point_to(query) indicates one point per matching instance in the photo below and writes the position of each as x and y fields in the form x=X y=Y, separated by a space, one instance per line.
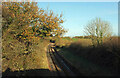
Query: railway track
x=59 y=66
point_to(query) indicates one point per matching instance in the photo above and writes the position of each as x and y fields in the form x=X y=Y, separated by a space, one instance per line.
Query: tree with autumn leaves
x=23 y=23
x=26 y=22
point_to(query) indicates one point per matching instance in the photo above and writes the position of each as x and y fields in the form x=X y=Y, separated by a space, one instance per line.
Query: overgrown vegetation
x=91 y=61
x=26 y=30
x=14 y=59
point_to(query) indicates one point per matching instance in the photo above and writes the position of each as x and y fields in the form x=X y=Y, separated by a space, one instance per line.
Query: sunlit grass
x=14 y=59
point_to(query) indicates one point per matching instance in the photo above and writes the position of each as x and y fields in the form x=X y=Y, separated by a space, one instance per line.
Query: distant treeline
x=85 y=37
x=76 y=37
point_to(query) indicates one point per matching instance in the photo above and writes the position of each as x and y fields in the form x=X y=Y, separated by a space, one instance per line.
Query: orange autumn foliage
x=29 y=21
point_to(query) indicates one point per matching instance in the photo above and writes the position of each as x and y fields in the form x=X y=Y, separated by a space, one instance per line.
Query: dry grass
x=105 y=56
x=113 y=44
x=63 y=42
x=13 y=58
x=81 y=43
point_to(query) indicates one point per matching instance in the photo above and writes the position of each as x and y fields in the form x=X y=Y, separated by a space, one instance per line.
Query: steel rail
x=57 y=60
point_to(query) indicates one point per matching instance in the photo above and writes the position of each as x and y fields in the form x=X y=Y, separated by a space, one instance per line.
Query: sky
x=76 y=15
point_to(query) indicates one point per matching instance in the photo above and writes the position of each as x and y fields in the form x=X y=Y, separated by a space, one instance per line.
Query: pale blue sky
x=78 y=14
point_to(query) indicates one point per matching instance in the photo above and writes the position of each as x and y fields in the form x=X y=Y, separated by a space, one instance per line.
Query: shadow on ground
x=92 y=61
x=31 y=72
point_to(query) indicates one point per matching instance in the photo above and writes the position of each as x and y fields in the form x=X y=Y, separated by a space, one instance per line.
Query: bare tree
x=98 y=30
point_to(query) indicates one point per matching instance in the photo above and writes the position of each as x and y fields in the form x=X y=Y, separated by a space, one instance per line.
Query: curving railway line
x=59 y=66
